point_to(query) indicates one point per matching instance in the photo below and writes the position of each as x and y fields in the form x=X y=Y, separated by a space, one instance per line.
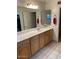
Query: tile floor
x=51 y=51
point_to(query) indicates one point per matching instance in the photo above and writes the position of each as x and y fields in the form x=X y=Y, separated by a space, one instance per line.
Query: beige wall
x=54 y=7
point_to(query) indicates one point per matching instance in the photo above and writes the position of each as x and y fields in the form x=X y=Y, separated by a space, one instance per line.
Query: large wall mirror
x=27 y=18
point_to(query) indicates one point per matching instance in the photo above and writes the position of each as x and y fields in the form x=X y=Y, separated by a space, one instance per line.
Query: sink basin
x=42 y=26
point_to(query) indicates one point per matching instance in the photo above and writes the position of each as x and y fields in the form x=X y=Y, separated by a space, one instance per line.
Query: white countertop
x=32 y=32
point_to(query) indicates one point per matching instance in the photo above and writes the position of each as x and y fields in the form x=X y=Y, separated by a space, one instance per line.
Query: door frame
x=59 y=29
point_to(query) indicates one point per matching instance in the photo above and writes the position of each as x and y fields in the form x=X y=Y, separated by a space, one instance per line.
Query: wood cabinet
x=23 y=49
x=30 y=46
x=51 y=35
x=47 y=37
x=42 y=37
x=34 y=44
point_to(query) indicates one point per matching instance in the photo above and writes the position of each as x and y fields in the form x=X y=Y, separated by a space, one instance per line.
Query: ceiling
x=30 y=0
x=24 y=2
x=42 y=0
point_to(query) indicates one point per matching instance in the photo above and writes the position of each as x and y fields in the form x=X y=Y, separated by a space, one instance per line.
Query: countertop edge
x=27 y=36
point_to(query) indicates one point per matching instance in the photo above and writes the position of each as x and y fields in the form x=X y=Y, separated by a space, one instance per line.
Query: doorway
x=33 y=19
x=59 y=25
x=18 y=23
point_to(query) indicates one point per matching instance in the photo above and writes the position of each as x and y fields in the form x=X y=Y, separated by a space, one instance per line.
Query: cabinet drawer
x=24 y=42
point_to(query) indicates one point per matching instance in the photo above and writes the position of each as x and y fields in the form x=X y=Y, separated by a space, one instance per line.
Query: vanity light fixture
x=31 y=6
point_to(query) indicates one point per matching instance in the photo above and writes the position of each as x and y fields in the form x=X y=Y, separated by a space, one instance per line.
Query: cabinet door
x=41 y=40
x=51 y=35
x=47 y=37
x=34 y=44
x=23 y=50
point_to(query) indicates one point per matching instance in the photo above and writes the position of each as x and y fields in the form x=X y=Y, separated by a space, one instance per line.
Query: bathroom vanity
x=31 y=41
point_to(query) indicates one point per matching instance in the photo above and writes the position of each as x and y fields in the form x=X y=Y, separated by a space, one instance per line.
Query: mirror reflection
x=32 y=18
